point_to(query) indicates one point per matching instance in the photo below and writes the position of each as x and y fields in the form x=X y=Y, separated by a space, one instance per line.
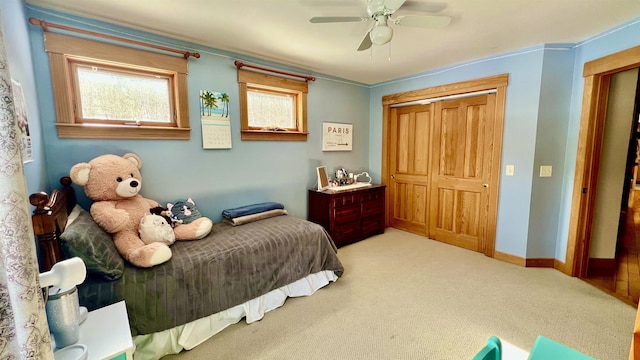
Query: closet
x=441 y=161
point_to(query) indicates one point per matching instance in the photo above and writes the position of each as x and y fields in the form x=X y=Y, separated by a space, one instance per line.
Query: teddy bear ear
x=80 y=173
x=135 y=159
x=169 y=206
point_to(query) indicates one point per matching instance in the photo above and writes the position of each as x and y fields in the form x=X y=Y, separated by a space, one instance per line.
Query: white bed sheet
x=187 y=336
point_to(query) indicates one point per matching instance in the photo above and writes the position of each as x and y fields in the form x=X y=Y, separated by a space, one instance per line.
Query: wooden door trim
x=497 y=82
x=492 y=215
x=597 y=76
x=487 y=83
x=386 y=115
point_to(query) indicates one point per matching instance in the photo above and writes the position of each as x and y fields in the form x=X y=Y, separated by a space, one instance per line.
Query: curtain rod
x=239 y=65
x=46 y=25
x=441 y=98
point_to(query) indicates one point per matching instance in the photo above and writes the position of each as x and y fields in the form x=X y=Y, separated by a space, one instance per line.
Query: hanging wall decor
x=337 y=137
x=22 y=121
x=216 y=123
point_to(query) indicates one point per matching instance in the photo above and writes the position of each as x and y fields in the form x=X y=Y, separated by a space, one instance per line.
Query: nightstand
x=106 y=333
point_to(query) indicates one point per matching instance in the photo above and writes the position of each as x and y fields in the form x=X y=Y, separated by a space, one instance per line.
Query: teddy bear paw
x=160 y=255
x=194 y=230
x=204 y=228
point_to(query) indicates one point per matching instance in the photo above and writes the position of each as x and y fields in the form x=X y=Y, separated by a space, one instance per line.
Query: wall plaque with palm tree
x=216 y=123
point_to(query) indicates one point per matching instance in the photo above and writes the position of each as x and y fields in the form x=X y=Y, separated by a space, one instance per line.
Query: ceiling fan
x=380 y=12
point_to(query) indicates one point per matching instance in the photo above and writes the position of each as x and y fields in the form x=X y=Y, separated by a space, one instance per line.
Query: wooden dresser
x=351 y=215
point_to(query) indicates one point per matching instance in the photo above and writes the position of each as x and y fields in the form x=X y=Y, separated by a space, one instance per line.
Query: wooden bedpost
x=49 y=219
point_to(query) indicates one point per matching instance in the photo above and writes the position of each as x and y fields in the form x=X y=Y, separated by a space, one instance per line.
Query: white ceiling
x=280 y=31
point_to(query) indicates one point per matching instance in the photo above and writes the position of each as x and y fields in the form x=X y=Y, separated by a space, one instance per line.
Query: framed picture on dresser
x=323 y=179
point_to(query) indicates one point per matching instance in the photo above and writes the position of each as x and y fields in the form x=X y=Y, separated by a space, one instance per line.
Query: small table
x=106 y=333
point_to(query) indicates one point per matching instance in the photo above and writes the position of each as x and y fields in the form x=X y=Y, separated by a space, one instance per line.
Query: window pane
x=270 y=110
x=111 y=95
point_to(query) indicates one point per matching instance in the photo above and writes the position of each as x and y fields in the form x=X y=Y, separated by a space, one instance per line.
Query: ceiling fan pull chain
x=389 y=58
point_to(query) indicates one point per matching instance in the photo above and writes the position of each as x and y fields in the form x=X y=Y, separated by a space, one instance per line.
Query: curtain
x=24 y=333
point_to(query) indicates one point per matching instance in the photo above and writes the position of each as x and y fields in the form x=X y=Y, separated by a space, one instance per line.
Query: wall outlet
x=545 y=170
x=509 y=170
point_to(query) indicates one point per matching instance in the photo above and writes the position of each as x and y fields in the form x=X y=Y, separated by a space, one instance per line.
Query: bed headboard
x=49 y=219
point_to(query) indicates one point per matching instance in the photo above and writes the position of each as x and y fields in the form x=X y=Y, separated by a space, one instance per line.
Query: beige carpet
x=403 y=296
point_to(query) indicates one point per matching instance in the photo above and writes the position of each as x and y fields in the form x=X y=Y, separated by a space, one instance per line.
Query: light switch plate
x=546 y=170
x=509 y=170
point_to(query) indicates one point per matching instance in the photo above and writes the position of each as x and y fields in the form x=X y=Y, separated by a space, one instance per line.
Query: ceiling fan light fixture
x=381 y=35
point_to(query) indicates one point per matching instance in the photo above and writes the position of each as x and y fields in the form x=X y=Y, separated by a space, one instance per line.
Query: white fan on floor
x=380 y=12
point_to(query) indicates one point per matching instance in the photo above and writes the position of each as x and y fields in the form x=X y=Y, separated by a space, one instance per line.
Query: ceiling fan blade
x=418 y=6
x=366 y=43
x=393 y=5
x=319 y=3
x=423 y=21
x=337 y=19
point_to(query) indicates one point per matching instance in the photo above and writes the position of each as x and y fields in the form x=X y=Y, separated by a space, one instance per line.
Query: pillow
x=83 y=238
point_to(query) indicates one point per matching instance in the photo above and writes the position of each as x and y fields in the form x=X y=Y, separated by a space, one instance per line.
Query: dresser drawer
x=345 y=200
x=373 y=195
x=346 y=214
x=372 y=207
x=345 y=233
x=374 y=225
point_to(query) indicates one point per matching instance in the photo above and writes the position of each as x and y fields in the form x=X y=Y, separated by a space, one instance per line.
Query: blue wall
x=252 y=171
x=551 y=134
x=21 y=69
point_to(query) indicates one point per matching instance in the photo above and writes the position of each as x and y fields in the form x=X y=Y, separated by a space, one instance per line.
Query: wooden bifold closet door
x=440 y=169
x=460 y=172
x=409 y=165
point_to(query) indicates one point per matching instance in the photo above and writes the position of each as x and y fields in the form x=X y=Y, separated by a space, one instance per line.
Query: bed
x=235 y=272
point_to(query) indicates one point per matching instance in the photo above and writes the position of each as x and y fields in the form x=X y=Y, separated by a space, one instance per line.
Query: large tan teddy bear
x=113 y=183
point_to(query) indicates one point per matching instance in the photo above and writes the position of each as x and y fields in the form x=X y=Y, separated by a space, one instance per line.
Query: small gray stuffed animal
x=184 y=210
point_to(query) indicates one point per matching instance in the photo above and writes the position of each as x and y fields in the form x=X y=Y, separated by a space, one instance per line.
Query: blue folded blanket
x=250 y=209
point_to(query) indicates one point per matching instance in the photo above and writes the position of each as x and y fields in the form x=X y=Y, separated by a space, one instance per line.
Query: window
x=271 y=110
x=271 y=107
x=108 y=91
x=111 y=95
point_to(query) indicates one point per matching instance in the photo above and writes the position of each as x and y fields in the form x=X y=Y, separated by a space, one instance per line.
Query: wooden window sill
x=273 y=135
x=78 y=131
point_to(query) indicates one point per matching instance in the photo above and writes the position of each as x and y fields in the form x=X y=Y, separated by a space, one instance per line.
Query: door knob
x=485 y=185
x=393 y=176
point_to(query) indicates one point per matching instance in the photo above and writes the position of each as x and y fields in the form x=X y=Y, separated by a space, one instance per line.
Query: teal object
x=547 y=349
x=491 y=351
x=122 y=356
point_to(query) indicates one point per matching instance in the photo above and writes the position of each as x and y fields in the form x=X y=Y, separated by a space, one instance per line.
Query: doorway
x=613 y=254
x=441 y=160
x=597 y=81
